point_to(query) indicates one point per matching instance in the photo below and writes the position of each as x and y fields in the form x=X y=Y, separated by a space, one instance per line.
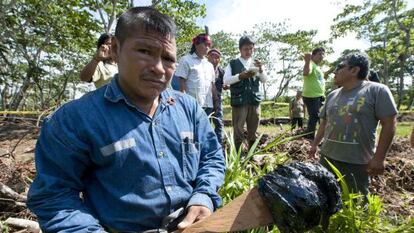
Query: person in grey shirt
x=349 y=122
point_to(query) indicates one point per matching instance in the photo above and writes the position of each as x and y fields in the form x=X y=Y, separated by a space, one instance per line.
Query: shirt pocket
x=190 y=155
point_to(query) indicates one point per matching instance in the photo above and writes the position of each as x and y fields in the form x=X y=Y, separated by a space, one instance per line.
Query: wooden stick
x=10 y=193
x=30 y=225
x=247 y=211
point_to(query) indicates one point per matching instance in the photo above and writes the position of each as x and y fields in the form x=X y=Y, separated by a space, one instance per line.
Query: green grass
x=269 y=109
x=404 y=129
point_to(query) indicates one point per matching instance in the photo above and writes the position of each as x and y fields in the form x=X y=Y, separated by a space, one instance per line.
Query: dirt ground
x=17 y=170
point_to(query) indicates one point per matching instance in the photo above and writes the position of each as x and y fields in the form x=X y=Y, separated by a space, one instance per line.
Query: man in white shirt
x=196 y=74
x=244 y=76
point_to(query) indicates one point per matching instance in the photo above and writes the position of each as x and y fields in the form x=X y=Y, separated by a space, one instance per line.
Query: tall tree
x=389 y=26
x=227 y=43
x=282 y=53
x=36 y=38
x=43 y=44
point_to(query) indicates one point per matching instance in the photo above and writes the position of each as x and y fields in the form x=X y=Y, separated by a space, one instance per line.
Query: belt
x=168 y=224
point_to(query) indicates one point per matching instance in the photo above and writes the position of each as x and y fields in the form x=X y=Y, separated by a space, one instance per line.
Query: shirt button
x=168 y=188
x=161 y=154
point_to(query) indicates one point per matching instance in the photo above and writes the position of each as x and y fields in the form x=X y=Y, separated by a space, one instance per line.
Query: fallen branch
x=6 y=191
x=13 y=202
x=30 y=225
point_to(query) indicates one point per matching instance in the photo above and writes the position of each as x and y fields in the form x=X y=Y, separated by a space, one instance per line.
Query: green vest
x=244 y=92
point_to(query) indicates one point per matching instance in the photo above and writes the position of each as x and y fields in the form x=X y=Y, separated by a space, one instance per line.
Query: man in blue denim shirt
x=134 y=150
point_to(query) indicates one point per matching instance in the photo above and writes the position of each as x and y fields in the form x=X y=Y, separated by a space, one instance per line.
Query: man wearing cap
x=196 y=74
x=214 y=57
x=244 y=76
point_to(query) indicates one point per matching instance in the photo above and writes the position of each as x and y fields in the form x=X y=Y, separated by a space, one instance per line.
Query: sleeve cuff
x=201 y=199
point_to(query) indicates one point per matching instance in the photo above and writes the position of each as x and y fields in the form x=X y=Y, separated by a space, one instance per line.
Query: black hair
x=360 y=60
x=147 y=19
x=245 y=40
x=373 y=76
x=317 y=50
x=192 y=49
x=102 y=39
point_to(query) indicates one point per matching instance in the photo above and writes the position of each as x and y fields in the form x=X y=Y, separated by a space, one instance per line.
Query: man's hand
x=375 y=166
x=312 y=151
x=103 y=53
x=195 y=213
x=246 y=74
x=307 y=57
x=258 y=64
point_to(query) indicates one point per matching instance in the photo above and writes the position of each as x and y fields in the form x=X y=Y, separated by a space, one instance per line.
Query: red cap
x=202 y=38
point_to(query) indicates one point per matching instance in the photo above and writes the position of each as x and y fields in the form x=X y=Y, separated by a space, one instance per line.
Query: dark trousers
x=217 y=118
x=218 y=123
x=208 y=111
x=313 y=106
x=297 y=121
x=355 y=175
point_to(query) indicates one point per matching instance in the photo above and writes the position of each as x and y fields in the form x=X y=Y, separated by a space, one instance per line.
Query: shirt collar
x=194 y=55
x=245 y=61
x=114 y=93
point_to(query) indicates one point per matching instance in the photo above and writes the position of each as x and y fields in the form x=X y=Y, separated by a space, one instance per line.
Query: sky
x=237 y=16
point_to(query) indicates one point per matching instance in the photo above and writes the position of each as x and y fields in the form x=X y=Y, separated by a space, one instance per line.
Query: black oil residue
x=300 y=196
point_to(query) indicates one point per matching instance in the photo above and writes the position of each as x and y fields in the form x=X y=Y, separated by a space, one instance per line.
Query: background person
x=102 y=67
x=313 y=88
x=297 y=111
x=349 y=122
x=134 y=149
x=214 y=57
x=244 y=76
x=196 y=74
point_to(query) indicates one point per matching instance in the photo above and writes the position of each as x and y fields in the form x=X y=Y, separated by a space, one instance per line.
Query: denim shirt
x=131 y=170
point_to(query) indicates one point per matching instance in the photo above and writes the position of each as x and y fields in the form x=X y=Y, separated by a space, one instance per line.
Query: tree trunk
x=18 y=97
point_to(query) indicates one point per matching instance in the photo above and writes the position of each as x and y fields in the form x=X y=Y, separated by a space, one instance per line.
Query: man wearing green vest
x=244 y=75
x=313 y=88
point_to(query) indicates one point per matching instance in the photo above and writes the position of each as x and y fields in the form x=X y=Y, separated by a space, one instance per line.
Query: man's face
x=214 y=59
x=318 y=57
x=246 y=51
x=202 y=49
x=146 y=62
x=342 y=73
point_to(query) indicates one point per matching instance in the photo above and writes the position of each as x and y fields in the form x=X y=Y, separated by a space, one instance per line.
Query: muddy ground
x=17 y=170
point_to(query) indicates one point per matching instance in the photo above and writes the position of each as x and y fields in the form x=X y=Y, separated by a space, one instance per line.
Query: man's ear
x=115 y=46
x=355 y=70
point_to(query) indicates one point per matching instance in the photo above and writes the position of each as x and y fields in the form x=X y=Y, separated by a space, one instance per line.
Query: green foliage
x=289 y=47
x=44 y=44
x=40 y=47
x=269 y=109
x=389 y=27
x=184 y=13
x=227 y=43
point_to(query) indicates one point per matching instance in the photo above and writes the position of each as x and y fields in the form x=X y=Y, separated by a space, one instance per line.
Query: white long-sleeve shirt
x=230 y=79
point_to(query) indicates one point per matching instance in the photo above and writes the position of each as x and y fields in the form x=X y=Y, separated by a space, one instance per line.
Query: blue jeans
x=313 y=106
